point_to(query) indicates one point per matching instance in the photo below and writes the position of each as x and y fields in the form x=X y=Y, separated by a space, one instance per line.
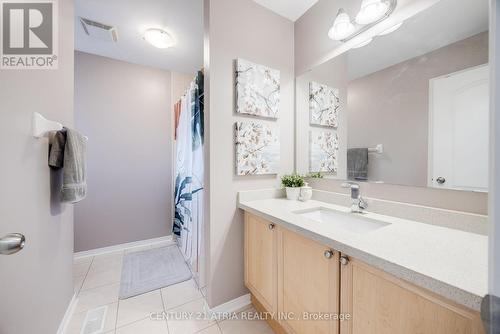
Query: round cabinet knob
x=328 y=254
x=441 y=180
x=271 y=226
x=344 y=260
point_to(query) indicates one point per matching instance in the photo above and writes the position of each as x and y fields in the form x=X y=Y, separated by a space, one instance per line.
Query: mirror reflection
x=409 y=108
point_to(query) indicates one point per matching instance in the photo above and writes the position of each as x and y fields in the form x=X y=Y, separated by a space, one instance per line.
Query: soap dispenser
x=305 y=193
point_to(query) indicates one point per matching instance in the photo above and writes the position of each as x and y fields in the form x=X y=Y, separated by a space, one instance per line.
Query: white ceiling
x=291 y=9
x=182 y=18
x=444 y=23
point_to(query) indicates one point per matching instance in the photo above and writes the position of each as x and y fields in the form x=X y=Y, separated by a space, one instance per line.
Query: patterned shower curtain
x=188 y=219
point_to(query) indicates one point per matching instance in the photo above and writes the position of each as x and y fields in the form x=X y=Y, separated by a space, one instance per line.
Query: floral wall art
x=324 y=105
x=257 y=148
x=257 y=89
x=324 y=146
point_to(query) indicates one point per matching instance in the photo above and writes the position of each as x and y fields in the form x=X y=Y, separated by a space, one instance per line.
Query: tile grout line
x=138 y=320
x=85 y=277
x=130 y=323
x=99 y=286
x=117 y=312
x=117 y=308
x=164 y=310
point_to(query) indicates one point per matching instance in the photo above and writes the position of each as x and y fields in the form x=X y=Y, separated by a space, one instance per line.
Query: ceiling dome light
x=371 y=11
x=342 y=26
x=365 y=43
x=159 y=38
x=391 y=29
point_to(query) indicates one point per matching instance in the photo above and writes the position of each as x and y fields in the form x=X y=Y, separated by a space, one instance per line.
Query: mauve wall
x=312 y=43
x=125 y=110
x=391 y=107
x=239 y=29
x=334 y=74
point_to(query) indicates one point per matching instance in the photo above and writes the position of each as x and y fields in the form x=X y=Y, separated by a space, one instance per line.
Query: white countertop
x=449 y=262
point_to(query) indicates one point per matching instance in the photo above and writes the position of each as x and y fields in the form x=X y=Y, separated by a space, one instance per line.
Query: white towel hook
x=377 y=149
x=41 y=125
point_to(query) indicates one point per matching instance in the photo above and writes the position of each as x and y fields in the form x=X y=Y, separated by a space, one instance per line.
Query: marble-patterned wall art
x=257 y=89
x=257 y=148
x=323 y=151
x=324 y=105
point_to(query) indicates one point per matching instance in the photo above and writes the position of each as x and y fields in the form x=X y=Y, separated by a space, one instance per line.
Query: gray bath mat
x=152 y=269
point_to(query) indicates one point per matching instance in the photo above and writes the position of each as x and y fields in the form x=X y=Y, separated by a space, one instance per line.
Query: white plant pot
x=292 y=193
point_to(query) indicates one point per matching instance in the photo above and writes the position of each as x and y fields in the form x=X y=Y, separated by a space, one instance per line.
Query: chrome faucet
x=358 y=203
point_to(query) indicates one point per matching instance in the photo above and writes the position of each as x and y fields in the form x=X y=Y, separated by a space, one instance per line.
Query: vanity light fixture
x=371 y=11
x=159 y=38
x=364 y=43
x=342 y=26
x=391 y=29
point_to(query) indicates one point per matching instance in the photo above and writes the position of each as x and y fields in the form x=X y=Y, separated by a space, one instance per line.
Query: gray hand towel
x=490 y=313
x=56 y=149
x=357 y=163
x=74 y=187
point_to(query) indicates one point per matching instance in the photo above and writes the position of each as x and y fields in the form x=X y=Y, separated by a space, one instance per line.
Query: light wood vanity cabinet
x=288 y=273
x=308 y=281
x=382 y=304
x=261 y=261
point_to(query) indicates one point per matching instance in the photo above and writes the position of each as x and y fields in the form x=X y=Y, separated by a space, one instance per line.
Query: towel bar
x=42 y=126
x=377 y=149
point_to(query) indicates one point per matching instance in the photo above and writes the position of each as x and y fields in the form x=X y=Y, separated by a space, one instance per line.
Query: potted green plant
x=292 y=184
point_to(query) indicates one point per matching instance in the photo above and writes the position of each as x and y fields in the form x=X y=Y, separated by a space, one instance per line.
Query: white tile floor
x=97 y=283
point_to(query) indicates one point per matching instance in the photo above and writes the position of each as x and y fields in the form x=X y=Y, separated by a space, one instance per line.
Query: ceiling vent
x=99 y=30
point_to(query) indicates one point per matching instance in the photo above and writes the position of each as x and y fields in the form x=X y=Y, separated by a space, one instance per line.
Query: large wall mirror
x=410 y=108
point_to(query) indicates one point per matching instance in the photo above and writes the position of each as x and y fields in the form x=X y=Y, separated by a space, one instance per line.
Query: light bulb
x=391 y=29
x=342 y=26
x=159 y=38
x=371 y=11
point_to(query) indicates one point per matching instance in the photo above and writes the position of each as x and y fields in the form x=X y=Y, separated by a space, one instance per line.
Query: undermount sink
x=352 y=222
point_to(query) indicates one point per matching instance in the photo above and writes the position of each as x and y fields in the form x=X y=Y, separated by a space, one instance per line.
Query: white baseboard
x=67 y=315
x=121 y=247
x=235 y=305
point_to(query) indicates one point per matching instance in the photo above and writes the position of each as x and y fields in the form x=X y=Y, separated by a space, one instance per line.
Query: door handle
x=12 y=243
x=441 y=180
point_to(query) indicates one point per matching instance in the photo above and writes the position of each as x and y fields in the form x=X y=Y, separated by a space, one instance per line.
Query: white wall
x=239 y=29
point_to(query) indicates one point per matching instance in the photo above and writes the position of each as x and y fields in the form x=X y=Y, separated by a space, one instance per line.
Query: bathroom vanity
x=379 y=274
x=402 y=116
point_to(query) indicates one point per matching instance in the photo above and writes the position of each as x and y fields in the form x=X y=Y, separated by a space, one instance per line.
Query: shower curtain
x=188 y=219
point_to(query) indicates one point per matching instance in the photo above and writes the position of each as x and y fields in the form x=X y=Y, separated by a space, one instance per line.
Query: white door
x=36 y=283
x=459 y=130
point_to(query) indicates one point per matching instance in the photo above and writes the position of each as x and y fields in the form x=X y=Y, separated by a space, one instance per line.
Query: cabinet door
x=308 y=281
x=260 y=260
x=382 y=304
